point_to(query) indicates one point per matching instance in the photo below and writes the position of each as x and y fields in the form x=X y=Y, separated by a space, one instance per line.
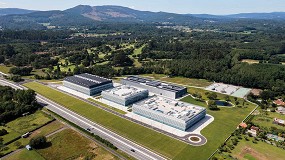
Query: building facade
x=176 y=114
x=87 y=83
x=125 y=95
x=156 y=87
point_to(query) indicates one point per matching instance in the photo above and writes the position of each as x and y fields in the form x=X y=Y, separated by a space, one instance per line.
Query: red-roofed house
x=243 y=125
x=279 y=102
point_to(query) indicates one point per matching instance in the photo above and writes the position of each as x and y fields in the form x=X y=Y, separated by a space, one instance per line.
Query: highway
x=122 y=143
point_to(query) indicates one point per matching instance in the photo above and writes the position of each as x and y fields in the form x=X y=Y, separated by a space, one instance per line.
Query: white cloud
x=2 y=4
x=132 y=7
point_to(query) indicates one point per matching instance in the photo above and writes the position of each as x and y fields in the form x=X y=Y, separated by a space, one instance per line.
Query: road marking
x=103 y=132
x=100 y=130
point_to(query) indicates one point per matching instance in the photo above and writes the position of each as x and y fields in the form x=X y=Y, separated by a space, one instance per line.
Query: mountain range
x=86 y=15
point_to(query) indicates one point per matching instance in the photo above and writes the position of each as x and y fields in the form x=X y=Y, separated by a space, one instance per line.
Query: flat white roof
x=125 y=91
x=173 y=108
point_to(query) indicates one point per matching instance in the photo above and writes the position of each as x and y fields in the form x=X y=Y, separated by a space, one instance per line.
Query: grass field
x=29 y=123
x=266 y=120
x=260 y=151
x=69 y=144
x=25 y=155
x=104 y=105
x=12 y=147
x=51 y=81
x=5 y=69
x=24 y=141
x=250 y=61
x=65 y=68
x=226 y=121
x=181 y=80
x=138 y=51
x=10 y=136
x=165 y=145
x=50 y=128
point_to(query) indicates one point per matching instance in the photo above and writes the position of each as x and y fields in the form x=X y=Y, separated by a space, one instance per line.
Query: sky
x=219 y=7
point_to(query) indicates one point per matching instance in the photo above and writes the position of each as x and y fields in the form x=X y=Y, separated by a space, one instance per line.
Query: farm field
x=48 y=129
x=29 y=122
x=147 y=137
x=25 y=124
x=25 y=155
x=10 y=136
x=66 y=144
x=260 y=151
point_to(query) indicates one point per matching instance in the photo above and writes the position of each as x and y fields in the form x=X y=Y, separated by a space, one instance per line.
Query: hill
x=84 y=15
x=271 y=16
x=9 y=11
x=264 y=16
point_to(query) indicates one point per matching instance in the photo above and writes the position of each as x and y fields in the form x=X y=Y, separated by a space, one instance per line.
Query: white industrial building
x=125 y=95
x=87 y=83
x=179 y=115
x=157 y=87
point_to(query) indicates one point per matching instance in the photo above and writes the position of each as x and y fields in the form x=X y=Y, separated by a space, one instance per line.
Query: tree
x=3 y=132
x=38 y=142
x=121 y=59
x=227 y=98
x=16 y=78
x=2 y=59
x=18 y=144
x=212 y=96
x=199 y=96
x=1 y=144
x=212 y=105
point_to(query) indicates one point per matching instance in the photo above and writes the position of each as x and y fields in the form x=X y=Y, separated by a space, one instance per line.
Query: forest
x=14 y=103
x=217 y=52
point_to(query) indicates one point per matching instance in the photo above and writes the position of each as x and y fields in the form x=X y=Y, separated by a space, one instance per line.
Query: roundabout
x=196 y=139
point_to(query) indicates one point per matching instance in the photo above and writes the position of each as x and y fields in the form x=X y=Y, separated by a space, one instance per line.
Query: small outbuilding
x=28 y=147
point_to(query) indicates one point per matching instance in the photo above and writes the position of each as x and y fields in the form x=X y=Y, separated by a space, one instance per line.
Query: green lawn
x=226 y=121
x=181 y=80
x=25 y=124
x=261 y=150
x=12 y=147
x=68 y=144
x=104 y=105
x=266 y=120
x=10 y=136
x=216 y=132
x=29 y=123
x=65 y=68
x=154 y=140
x=50 y=128
x=138 y=51
x=51 y=81
x=5 y=69
x=25 y=155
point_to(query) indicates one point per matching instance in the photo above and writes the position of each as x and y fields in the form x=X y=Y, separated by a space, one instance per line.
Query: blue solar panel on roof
x=86 y=82
x=154 y=83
